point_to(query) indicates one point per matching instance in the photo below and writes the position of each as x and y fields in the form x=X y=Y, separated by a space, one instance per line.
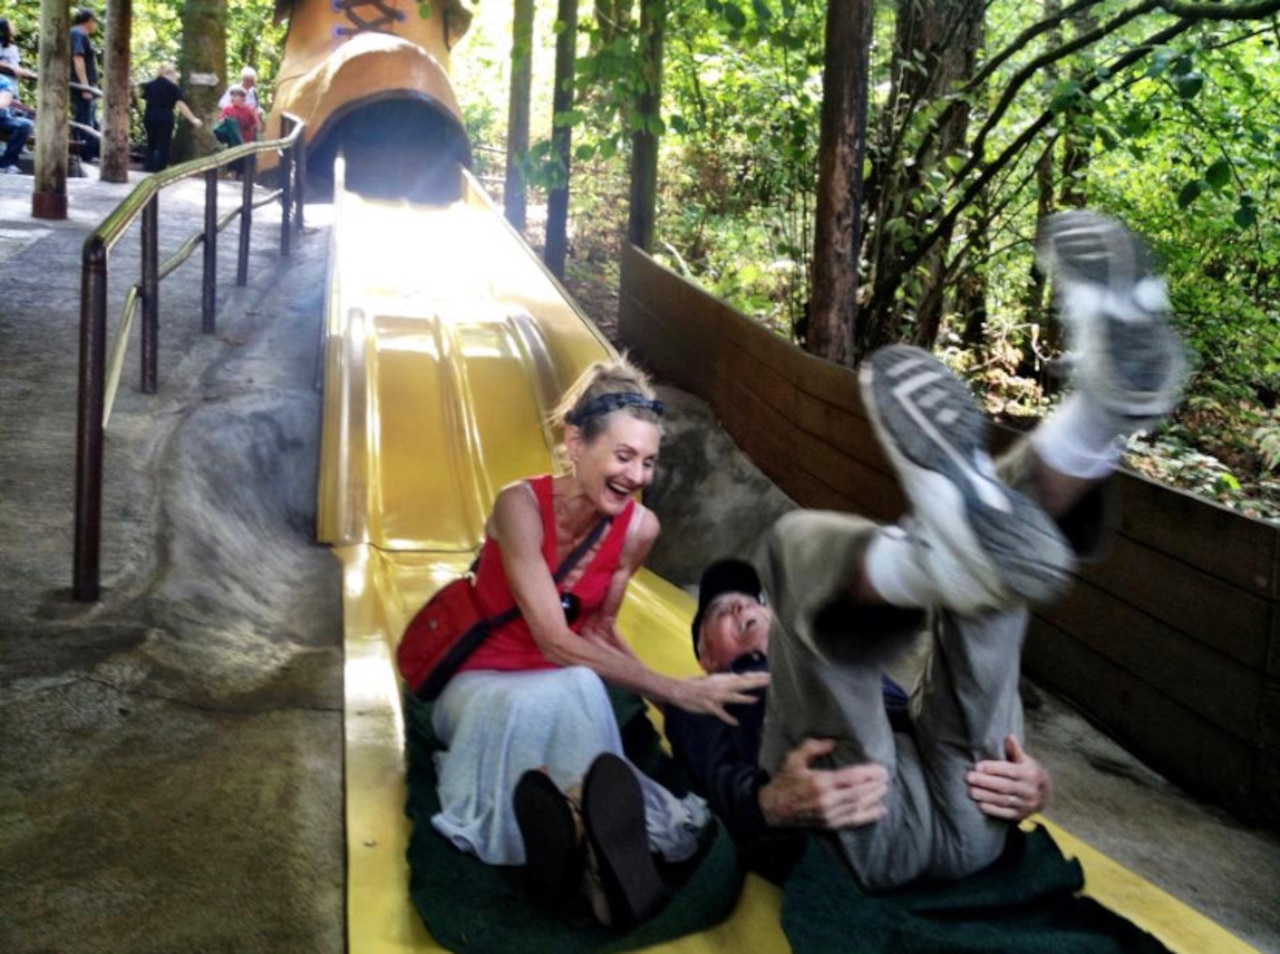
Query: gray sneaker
x=1125 y=355
x=984 y=545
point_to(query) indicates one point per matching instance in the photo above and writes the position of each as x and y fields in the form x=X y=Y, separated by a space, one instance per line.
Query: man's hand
x=1012 y=790
x=803 y=796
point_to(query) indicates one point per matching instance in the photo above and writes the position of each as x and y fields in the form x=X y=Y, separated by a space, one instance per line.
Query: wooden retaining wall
x=1171 y=643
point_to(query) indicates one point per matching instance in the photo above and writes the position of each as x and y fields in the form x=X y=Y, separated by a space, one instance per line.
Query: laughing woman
x=531 y=701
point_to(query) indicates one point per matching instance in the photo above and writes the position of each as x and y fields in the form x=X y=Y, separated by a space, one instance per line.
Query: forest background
x=981 y=118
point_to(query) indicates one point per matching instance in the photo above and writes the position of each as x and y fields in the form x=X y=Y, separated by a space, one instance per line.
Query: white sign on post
x=202 y=79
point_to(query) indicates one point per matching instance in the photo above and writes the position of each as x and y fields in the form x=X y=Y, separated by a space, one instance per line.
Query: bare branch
x=1222 y=11
x=884 y=288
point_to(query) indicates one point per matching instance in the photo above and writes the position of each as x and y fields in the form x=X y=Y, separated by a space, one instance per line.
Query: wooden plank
x=665 y=355
x=671 y=355
x=763 y=345
x=756 y=430
x=1273 y=641
x=860 y=487
x=1220 y=541
x=833 y=383
x=1208 y=683
x=741 y=372
x=1174 y=740
x=812 y=492
x=817 y=377
x=1266 y=787
x=843 y=429
x=1207 y=608
x=1269 y=717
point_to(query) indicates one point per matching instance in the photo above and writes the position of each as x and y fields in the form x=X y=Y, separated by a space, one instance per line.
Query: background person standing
x=84 y=70
x=248 y=83
x=163 y=96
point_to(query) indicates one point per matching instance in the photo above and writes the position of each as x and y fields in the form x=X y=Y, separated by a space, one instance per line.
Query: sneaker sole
x=1115 y=307
x=1005 y=541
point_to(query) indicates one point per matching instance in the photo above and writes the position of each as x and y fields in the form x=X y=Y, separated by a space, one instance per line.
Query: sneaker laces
x=388 y=16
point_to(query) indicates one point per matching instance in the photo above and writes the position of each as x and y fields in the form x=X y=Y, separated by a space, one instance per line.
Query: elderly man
x=249 y=84
x=930 y=793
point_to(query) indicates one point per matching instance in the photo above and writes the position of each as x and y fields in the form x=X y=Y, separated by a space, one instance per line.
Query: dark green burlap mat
x=1026 y=903
x=471 y=906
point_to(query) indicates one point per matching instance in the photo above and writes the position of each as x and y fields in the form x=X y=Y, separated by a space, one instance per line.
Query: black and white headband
x=608 y=403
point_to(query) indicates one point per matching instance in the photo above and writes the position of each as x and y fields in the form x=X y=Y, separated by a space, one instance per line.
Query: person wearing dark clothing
x=16 y=128
x=163 y=96
x=722 y=762
x=84 y=71
x=980 y=544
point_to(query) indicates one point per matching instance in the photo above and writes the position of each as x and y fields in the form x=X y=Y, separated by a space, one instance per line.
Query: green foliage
x=1168 y=123
x=252 y=38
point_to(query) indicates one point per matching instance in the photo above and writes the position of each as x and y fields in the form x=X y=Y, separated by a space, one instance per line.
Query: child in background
x=246 y=116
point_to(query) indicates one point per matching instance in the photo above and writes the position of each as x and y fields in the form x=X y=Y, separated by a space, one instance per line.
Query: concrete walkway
x=170 y=758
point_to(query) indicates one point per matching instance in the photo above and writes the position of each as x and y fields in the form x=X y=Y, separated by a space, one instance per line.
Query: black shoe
x=553 y=852
x=613 y=815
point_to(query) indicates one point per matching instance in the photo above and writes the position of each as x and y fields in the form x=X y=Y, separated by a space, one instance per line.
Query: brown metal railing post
x=246 y=220
x=209 y=280
x=150 y=293
x=89 y=437
x=286 y=190
x=300 y=181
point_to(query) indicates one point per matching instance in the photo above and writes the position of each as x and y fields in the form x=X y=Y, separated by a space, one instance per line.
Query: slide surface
x=446 y=346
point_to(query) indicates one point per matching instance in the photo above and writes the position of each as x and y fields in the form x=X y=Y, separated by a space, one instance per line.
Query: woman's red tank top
x=512 y=647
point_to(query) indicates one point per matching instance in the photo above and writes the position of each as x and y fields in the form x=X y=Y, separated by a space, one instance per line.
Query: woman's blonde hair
x=603 y=389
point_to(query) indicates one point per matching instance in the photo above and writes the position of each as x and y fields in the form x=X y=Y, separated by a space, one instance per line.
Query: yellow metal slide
x=446 y=345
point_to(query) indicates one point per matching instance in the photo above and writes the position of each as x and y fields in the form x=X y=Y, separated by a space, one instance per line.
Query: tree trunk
x=1075 y=142
x=515 y=197
x=1045 y=202
x=935 y=51
x=49 y=192
x=204 y=73
x=971 y=284
x=561 y=137
x=119 y=93
x=833 y=309
x=644 y=141
x=614 y=19
x=957 y=61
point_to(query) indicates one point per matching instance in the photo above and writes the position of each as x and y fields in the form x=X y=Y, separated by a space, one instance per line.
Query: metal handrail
x=95 y=398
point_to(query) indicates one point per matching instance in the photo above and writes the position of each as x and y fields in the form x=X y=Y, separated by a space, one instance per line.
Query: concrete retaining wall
x=1171 y=644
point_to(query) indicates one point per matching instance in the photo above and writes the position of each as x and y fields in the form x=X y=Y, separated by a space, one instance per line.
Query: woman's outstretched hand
x=708 y=695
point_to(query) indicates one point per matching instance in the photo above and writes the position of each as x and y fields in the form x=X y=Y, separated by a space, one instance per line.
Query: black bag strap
x=566 y=566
